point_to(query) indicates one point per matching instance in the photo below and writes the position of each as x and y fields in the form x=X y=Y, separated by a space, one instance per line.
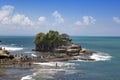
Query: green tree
x=49 y=41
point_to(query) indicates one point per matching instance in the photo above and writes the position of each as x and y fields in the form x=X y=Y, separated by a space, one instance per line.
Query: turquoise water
x=108 y=69
x=103 y=70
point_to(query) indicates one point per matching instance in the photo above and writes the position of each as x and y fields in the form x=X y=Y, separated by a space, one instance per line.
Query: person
x=56 y=65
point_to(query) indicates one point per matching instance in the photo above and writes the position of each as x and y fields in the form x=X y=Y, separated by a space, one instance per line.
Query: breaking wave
x=100 y=56
x=12 y=48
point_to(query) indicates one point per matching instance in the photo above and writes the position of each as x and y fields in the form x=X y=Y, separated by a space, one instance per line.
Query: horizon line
x=69 y=35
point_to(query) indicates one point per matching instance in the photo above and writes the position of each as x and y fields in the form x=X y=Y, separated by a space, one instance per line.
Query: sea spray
x=100 y=56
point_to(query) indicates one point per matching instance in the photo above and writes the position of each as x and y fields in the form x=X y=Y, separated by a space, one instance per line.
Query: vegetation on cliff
x=49 y=41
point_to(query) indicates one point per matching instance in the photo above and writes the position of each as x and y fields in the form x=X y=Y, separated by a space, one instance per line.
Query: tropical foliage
x=48 y=41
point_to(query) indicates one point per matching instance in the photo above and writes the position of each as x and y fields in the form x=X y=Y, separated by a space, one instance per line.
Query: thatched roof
x=4 y=53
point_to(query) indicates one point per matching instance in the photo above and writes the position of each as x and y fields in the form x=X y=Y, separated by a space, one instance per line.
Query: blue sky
x=75 y=17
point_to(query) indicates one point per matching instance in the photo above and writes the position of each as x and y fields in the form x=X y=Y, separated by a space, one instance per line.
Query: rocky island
x=56 y=43
x=59 y=46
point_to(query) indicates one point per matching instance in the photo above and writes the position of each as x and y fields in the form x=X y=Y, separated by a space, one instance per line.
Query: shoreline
x=19 y=62
x=23 y=64
x=26 y=63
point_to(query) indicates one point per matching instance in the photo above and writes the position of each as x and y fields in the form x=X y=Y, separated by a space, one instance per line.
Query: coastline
x=29 y=69
x=28 y=63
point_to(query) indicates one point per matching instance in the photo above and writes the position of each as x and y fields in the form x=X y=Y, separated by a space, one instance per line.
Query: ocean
x=105 y=67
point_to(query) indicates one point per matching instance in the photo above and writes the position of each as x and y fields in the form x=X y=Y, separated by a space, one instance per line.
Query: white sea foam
x=28 y=77
x=49 y=69
x=49 y=73
x=100 y=56
x=12 y=48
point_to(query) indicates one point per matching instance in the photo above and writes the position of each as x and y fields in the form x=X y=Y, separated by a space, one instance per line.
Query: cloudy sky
x=75 y=17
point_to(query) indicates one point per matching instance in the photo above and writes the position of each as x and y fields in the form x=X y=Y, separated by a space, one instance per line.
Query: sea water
x=105 y=67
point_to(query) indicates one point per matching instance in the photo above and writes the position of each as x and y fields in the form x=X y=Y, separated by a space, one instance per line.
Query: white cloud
x=6 y=11
x=116 y=19
x=86 y=20
x=58 y=18
x=21 y=20
x=6 y=17
x=5 y=20
x=78 y=23
x=41 y=20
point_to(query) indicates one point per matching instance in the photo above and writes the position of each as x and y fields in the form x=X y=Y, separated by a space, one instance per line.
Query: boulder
x=87 y=52
x=82 y=50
